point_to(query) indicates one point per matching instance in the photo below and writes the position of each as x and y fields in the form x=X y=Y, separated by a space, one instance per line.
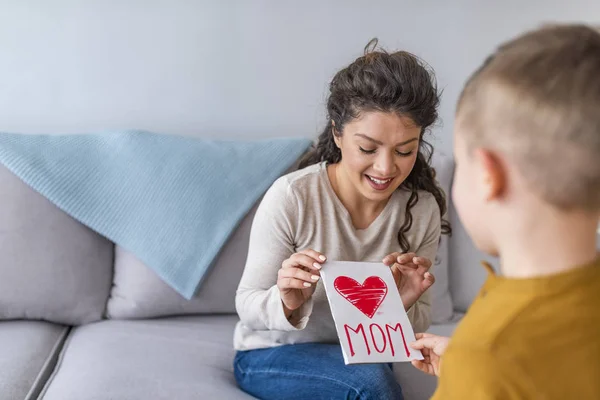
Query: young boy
x=527 y=189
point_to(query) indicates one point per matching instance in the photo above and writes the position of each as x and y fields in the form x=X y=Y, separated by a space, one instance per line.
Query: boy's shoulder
x=521 y=316
x=528 y=339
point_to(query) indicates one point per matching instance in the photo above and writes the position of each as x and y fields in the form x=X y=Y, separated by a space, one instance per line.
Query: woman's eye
x=366 y=151
x=372 y=151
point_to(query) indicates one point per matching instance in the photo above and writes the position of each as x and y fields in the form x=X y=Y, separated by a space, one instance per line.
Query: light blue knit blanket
x=172 y=201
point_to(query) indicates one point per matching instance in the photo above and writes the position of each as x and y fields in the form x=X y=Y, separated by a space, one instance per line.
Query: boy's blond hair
x=537 y=100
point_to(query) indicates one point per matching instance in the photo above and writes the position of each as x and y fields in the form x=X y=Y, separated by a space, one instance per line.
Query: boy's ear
x=493 y=176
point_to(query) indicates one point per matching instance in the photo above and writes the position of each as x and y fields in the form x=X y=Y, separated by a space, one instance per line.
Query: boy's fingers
x=421 y=366
x=418 y=345
x=424 y=335
x=424 y=343
x=418 y=364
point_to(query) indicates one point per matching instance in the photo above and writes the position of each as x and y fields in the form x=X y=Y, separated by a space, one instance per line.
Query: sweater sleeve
x=420 y=313
x=258 y=302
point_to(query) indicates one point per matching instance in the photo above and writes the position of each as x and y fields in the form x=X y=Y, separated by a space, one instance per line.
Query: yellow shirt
x=528 y=339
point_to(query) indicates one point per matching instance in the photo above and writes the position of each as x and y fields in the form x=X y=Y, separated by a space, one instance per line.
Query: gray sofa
x=82 y=319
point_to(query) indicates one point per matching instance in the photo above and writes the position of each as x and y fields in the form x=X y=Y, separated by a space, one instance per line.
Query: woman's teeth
x=378 y=181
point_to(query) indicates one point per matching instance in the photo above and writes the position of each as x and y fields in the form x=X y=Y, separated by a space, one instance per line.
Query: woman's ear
x=492 y=180
x=336 y=138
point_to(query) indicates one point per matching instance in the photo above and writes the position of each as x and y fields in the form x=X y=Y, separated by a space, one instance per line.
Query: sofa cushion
x=28 y=354
x=51 y=267
x=467 y=275
x=181 y=357
x=139 y=293
x=442 y=308
x=177 y=358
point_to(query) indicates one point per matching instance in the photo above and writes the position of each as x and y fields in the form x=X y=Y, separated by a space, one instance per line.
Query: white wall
x=233 y=68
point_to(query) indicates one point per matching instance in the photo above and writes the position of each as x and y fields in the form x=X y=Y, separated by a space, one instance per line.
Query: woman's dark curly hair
x=398 y=83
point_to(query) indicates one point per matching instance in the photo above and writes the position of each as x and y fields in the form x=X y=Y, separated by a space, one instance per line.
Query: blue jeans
x=311 y=371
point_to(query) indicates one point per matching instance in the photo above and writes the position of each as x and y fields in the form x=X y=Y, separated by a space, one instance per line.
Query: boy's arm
x=467 y=373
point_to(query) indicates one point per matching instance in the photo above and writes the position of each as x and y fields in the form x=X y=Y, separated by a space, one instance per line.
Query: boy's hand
x=411 y=274
x=432 y=347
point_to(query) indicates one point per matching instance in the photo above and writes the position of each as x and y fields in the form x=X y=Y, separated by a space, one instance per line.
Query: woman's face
x=379 y=149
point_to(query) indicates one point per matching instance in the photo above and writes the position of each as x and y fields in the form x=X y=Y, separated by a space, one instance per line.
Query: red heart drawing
x=366 y=297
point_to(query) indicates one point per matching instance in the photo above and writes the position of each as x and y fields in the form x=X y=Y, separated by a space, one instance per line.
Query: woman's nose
x=384 y=165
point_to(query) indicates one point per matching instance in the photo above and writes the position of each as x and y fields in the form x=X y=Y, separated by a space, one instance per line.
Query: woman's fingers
x=298 y=273
x=301 y=270
x=301 y=260
x=292 y=283
x=295 y=278
x=405 y=258
x=318 y=257
x=411 y=261
x=391 y=258
x=423 y=262
x=428 y=280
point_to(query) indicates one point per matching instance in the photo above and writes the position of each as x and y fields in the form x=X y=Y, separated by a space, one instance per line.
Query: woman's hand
x=411 y=274
x=297 y=278
x=432 y=347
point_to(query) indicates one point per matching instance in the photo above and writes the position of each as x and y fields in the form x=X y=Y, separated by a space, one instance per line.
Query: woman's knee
x=375 y=381
x=269 y=373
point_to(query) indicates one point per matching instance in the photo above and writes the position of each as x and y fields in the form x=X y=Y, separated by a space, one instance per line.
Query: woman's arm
x=258 y=301
x=420 y=313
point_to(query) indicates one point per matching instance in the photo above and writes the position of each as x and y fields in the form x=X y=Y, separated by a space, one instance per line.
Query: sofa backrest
x=465 y=274
x=138 y=293
x=51 y=266
x=56 y=269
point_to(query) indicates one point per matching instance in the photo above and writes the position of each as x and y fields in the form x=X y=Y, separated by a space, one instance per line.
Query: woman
x=365 y=193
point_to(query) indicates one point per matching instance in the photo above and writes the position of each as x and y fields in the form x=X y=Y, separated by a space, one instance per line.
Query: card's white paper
x=369 y=316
